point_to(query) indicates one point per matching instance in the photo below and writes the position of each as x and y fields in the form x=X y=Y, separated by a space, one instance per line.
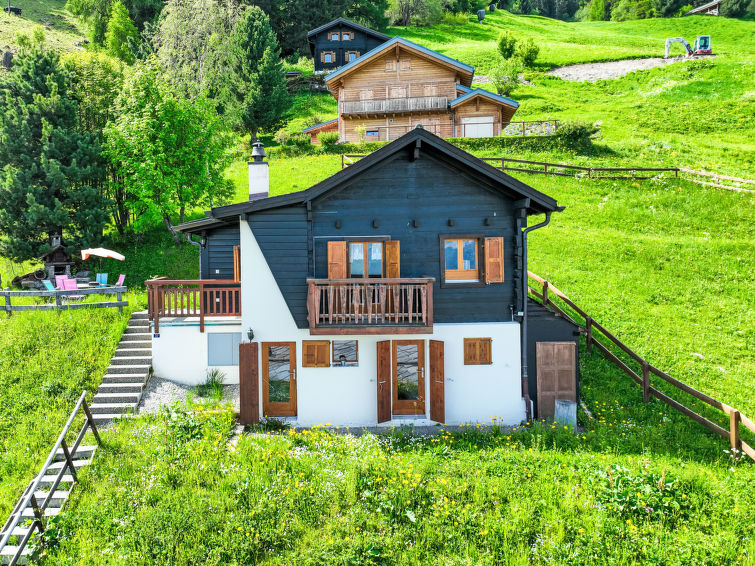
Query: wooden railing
x=370 y=306
x=192 y=298
x=394 y=105
x=59 y=299
x=593 y=331
x=29 y=497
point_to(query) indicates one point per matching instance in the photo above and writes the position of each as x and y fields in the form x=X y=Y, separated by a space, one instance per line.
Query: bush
x=282 y=137
x=213 y=385
x=328 y=138
x=528 y=52
x=577 y=135
x=506 y=45
x=458 y=19
x=505 y=76
x=300 y=140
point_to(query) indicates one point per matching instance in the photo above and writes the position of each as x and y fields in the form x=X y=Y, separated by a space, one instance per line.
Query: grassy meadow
x=62 y=30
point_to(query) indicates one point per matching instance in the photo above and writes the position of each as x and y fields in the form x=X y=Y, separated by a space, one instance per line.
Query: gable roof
x=320 y=125
x=471 y=93
x=467 y=70
x=344 y=21
x=703 y=8
x=537 y=202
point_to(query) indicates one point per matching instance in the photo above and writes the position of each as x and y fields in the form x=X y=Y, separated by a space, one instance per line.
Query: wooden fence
x=29 y=498
x=192 y=298
x=59 y=300
x=593 y=330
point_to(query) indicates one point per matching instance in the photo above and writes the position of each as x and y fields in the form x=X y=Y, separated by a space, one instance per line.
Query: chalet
x=391 y=292
x=398 y=85
x=341 y=41
x=706 y=9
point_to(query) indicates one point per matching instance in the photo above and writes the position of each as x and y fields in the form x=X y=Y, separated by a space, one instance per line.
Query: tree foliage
x=415 y=12
x=120 y=31
x=256 y=89
x=506 y=44
x=96 y=14
x=505 y=75
x=170 y=150
x=47 y=164
x=527 y=51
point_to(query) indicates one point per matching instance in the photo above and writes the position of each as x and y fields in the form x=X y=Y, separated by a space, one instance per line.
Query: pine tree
x=120 y=29
x=257 y=93
x=46 y=163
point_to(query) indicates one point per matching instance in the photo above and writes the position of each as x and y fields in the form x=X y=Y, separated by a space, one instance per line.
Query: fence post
x=91 y=422
x=68 y=458
x=7 y=301
x=588 y=326
x=734 y=438
x=645 y=382
x=524 y=129
x=58 y=300
x=342 y=161
x=545 y=293
x=201 y=307
x=118 y=297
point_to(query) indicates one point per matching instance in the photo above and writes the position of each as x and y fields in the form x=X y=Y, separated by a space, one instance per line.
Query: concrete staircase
x=125 y=379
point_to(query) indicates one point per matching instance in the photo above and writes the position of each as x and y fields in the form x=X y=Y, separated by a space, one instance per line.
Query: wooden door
x=437 y=382
x=383 y=381
x=279 y=379
x=408 y=377
x=249 y=383
x=556 y=375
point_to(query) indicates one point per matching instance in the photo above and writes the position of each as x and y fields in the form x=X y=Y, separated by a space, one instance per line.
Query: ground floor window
x=345 y=352
x=223 y=348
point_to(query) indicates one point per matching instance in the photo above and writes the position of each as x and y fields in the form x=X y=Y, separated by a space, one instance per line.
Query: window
x=478 y=351
x=366 y=94
x=334 y=36
x=352 y=55
x=460 y=259
x=373 y=135
x=430 y=90
x=345 y=353
x=347 y=36
x=398 y=92
x=365 y=259
x=327 y=56
x=223 y=348
x=390 y=65
x=315 y=353
x=405 y=64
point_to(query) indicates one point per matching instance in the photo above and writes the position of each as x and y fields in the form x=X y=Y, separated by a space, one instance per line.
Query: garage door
x=477 y=126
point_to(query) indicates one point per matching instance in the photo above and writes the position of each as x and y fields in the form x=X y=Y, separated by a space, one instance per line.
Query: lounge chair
x=48 y=285
x=70 y=285
x=121 y=279
x=101 y=279
x=59 y=281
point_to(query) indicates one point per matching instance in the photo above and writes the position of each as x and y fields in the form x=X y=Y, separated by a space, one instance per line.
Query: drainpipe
x=525 y=376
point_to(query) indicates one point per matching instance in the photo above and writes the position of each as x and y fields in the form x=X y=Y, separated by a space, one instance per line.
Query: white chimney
x=259 y=175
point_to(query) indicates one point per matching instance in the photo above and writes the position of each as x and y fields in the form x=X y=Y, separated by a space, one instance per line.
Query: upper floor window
x=405 y=64
x=365 y=259
x=327 y=57
x=398 y=92
x=352 y=56
x=473 y=259
x=347 y=36
x=430 y=90
x=366 y=94
x=334 y=36
x=360 y=259
x=461 y=262
x=390 y=64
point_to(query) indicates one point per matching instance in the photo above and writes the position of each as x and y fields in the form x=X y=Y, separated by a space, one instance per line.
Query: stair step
x=107 y=418
x=135 y=345
x=82 y=452
x=49 y=480
x=58 y=498
x=119 y=397
x=9 y=551
x=134 y=336
x=136 y=330
x=130 y=360
x=54 y=468
x=134 y=368
x=112 y=408
x=20 y=531
x=28 y=513
x=128 y=387
x=130 y=378
x=145 y=353
x=139 y=315
x=138 y=324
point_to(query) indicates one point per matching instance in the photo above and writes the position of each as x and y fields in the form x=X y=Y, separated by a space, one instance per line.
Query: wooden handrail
x=192 y=297
x=735 y=417
x=59 y=295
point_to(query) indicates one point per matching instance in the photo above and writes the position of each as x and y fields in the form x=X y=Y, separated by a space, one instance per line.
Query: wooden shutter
x=493 y=260
x=556 y=375
x=315 y=353
x=337 y=260
x=478 y=351
x=249 y=385
x=237 y=263
x=392 y=259
x=383 y=381
x=437 y=382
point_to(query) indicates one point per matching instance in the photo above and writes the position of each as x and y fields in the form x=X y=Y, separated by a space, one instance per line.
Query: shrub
x=505 y=76
x=361 y=130
x=528 y=52
x=213 y=385
x=458 y=19
x=282 y=137
x=328 y=138
x=300 y=140
x=577 y=135
x=506 y=45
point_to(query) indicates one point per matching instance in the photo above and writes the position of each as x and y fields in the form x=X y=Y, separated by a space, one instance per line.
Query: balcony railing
x=192 y=298
x=394 y=105
x=370 y=306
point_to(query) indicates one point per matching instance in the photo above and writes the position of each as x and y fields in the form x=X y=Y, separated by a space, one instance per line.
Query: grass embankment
x=170 y=491
x=62 y=29
x=46 y=360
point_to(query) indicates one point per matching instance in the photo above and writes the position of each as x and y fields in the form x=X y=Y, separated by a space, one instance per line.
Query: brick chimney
x=259 y=175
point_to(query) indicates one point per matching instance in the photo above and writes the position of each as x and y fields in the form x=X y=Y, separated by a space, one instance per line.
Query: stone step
x=135 y=344
x=130 y=360
x=28 y=513
x=55 y=467
x=83 y=452
x=19 y=531
x=136 y=336
x=128 y=387
x=139 y=315
x=9 y=551
x=49 y=480
x=133 y=352
x=111 y=408
x=143 y=329
x=58 y=497
x=125 y=377
x=107 y=418
x=118 y=397
x=135 y=368
x=138 y=323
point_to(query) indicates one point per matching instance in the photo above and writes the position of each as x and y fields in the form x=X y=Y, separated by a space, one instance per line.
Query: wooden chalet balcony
x=394 y=105
x=192 y=298
x=370 y=306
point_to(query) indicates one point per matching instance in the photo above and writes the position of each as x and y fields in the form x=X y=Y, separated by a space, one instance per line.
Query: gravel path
x=161 y=392
x=592 y=72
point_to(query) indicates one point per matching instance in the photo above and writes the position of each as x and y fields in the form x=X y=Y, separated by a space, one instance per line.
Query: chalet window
x=334 y=36
x=405 y=64
x=398 y=92
x=315 y=353
x=372 y=135
x=345 y=352
x=365 y=259
x=366 y=94
x=477 y=351
x=352 y=55
x=390 y=65
x=460 y=257
x=327 y=57
x=431 y=90
x=346 y=36
x=223 y=348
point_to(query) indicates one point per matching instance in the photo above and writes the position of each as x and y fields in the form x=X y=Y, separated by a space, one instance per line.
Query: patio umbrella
x=101 y=252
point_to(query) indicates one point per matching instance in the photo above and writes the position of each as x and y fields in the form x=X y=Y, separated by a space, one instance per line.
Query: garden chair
x=101 y=278
x=121 y=279
x=70 y=285
x=48 y=285
x=59 y=280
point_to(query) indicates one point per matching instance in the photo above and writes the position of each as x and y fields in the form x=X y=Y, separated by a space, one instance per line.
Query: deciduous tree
x=120 y=31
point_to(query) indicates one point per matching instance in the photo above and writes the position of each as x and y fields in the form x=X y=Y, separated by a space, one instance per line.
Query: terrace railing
x=62 y=300
x=394 y=105
x=370 y=306
x=192 y=298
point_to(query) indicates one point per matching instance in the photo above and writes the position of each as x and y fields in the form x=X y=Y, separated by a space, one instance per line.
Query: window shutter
x=237 y=263
x=337 y=260
x=478 y=351
x=493 y=260
x=315 y=353
x=470 y=351
x=392 y=259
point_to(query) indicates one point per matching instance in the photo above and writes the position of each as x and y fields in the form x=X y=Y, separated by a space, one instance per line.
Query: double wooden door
x=401 y=379
x=279 y=379
x=556 y=375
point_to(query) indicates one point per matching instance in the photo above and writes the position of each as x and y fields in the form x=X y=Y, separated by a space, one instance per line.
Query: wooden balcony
x=394 y=105
x=192 y=298
x=370 y=306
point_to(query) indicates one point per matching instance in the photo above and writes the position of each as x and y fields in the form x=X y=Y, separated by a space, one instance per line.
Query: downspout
x=525 y=375
x=199 y=245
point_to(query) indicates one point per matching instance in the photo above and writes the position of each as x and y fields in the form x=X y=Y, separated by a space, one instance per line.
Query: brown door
x=408 y=377
x=383 y=381
x=249 y=385
x=437 y=382
x=556 y=375
x=279 y=379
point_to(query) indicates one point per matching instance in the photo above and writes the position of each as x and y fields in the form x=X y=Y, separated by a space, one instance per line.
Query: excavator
x=702 y=45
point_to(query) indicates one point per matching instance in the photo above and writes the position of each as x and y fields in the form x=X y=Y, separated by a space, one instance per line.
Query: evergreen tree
x=120 y=30
x=256 y=94
x=47 y=165
x=597 y=10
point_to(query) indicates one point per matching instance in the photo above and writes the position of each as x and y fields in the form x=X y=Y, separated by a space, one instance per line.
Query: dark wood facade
x=338 y=42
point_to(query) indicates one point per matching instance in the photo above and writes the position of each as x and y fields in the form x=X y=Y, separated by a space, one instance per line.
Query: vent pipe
x=259 y=174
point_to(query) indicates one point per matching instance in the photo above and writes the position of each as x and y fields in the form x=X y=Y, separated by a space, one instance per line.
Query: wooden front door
x=408 y=377
x=383 y=381
x=556 y=375
x=437 y=382
x=279 y=379
x=249 y=387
